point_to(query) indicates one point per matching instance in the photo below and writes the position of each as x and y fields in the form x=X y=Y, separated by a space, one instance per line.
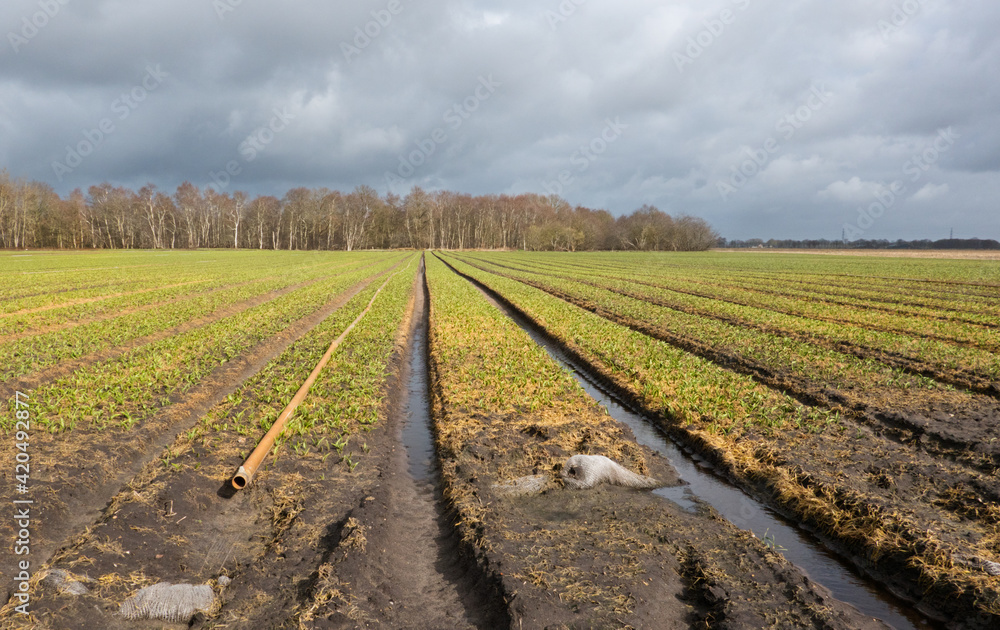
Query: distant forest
x=945 y=243
x=32 y=215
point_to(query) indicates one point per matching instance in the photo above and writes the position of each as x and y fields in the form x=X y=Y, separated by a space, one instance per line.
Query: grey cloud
x=752 y=62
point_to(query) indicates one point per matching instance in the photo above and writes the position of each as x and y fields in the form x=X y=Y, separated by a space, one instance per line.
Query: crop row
x=956 y=273
x=834 y=378
x=961 y=364
x=974 y=293
x=90 y=293
x=303 y=490
x=817 y=465
x=505 y=412
x=320 y=464
x=889 y=297
x=126 y=390
x=969 y=334
x=348 y=396
x=946 y=304
x=27 y=353
x=979 y=297
x=735 y=402
x=843 y=305
x=27 y=290
x=484 y=364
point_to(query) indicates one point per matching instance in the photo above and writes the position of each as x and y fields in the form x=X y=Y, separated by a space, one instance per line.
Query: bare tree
x=330 y=204
x=189 y=203
x=32 y=214
x=357 y=212
x=237 y=207
x=156 y=207
x=7 y=194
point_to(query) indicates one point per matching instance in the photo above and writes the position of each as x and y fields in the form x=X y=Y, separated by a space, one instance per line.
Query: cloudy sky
x=769 y=118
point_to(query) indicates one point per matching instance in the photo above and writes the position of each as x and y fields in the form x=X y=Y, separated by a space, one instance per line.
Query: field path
x=411 y=568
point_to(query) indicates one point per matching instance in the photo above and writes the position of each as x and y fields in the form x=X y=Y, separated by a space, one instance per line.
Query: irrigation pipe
x=244 y=475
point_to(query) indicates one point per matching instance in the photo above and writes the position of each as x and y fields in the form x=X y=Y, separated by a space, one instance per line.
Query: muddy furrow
x=635 y=545
x=75 y=482
x=972 y=381
x=935 y=431
x=65 y=368
x=886 y=512
x=263 y=551
x=100 y=298
x=41 y=330
x=928 y=422
x=66 y=325
x=412 y=570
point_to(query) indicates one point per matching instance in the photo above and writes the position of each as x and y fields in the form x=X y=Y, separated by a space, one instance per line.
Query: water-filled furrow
x=478 y=604
x=796 y=544
x=416 y=431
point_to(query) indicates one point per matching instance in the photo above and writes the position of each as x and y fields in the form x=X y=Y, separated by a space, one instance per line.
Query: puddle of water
x=797 y=545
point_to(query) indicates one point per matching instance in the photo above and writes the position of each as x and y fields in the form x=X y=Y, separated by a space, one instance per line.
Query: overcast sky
x=768 y=118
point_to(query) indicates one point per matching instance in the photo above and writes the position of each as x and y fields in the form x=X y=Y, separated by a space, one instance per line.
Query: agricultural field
x=817 y=385
x=856 y=398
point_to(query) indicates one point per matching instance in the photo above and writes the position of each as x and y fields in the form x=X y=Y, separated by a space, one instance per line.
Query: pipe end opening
x=241 y=479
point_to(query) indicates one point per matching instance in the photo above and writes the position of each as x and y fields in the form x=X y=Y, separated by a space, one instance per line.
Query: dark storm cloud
x=713 y=107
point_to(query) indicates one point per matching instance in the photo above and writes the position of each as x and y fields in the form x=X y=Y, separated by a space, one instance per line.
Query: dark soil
x=614 y=557
x=397 y=563
x=886 y=497
x=315 y=543
x=958 y=426
x=42 y=377
x=958 y=377
x=311 y=543
x=76 y=481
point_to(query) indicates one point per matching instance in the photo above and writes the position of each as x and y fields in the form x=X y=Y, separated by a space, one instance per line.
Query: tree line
x=944 y=243
x=33 y=215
